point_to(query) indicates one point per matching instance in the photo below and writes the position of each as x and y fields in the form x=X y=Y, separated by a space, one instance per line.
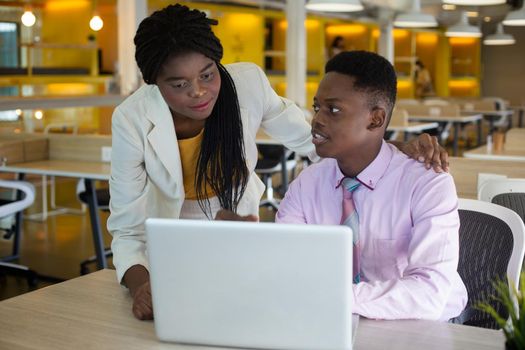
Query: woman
x=184 y=144
x=424 y=86
x=338 y=46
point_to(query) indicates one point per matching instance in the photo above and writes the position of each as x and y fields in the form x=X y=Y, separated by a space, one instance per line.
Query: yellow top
x=189 y=150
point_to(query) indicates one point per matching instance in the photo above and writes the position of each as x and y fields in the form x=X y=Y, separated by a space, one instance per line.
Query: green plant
x=513 y=300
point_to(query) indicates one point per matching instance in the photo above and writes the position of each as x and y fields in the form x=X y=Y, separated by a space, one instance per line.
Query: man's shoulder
x=415 y=178
x=324 y=170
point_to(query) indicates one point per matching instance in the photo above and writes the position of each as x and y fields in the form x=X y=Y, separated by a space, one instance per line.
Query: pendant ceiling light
x=475 y=2
x=515 y=18
x=96 y=23
x=28 y=18
x=415 y=18
x=334 y=5
x=499 y=38
x=463 y=29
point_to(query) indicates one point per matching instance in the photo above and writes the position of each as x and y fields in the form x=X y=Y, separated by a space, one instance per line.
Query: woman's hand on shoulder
x=426 y=149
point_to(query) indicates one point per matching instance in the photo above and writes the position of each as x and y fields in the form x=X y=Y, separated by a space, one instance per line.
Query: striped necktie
x=350 y=218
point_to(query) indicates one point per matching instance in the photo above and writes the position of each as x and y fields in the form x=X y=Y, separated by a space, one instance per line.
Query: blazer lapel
x=162 y=136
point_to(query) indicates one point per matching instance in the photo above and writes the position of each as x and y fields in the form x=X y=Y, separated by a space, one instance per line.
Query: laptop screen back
x=258 y=285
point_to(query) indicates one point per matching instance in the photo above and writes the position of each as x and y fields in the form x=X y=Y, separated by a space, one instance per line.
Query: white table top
x=447 y=118
x=412 y=127
x=66 y=168
x=516 y=155
x=498 y=113
x=94 y=312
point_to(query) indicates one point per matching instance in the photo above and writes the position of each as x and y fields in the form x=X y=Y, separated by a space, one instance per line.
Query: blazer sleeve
x=284 y=121
x=128 y=187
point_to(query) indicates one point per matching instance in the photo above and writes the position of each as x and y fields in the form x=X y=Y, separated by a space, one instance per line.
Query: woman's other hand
x=229 y=215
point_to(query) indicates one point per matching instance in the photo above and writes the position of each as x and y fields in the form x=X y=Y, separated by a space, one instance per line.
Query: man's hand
x=228 y=215
x=426 y=149
x=142 y=304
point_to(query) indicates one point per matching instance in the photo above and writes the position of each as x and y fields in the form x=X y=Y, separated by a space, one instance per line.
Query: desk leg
x=94 y=217
x=456 y=136
x=520 y=122
x=284 y=172
x=18 y=220
x=480 y=132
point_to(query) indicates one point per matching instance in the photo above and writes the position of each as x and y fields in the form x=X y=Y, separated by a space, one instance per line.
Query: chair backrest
x=271 y=157
x=11 y=207
x=491 y=247
x=509 y=193
x=435 y=102
x=399 y=116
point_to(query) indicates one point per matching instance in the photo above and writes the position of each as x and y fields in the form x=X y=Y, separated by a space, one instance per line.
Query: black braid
x=172 y=30
x=222 y=163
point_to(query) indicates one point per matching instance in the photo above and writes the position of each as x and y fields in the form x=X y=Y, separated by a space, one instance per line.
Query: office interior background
x=65 y=64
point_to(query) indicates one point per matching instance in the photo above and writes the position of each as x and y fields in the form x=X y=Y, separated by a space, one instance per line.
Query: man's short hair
x=373 y=74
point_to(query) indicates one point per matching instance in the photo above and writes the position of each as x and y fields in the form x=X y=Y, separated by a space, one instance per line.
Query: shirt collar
x=371 y=175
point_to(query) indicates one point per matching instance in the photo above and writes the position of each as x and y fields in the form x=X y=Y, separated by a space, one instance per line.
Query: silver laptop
x=251 y=285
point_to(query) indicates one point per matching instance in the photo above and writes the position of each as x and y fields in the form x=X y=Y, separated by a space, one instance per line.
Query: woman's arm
x=128 y=213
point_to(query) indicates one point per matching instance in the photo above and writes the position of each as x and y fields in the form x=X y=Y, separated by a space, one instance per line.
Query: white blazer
x=146 y=172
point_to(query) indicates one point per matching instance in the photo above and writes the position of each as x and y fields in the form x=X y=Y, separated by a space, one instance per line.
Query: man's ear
x=377 y=118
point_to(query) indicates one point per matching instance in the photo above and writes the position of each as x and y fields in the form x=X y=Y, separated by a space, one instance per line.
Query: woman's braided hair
x=222 y=163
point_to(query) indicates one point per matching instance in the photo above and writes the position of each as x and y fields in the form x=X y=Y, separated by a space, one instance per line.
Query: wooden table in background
x=484 y=153
x=90 y=172
x=456 y=121
x=465 y=173
x=94 y=312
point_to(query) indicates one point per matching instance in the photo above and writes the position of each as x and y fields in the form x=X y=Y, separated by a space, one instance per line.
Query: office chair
x=25 y=196
x=509 y=193
x=491 y=247
x=103 y=204
x=270 y=164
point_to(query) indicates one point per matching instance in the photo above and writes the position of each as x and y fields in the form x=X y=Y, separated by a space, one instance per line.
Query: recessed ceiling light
x=475 y=2
x=334 y=5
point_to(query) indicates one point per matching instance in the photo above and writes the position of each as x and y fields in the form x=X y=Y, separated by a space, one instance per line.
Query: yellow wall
x=242 y=38
x=66 y=22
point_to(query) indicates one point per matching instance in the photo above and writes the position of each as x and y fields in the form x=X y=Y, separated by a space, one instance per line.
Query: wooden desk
x=411 y=127
x=48 y=102
x=515 y=155
x=89 y=171
x=492 y=115
x=456 y=121
x=465 y=173
x=515 y=139
x=94 y=312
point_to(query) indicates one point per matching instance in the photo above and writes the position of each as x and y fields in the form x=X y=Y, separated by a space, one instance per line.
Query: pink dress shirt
x=408 y=222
